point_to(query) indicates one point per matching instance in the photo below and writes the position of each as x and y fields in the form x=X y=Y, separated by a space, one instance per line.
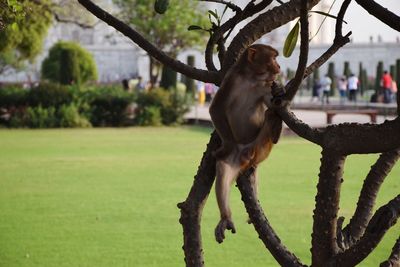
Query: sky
x=363 y=25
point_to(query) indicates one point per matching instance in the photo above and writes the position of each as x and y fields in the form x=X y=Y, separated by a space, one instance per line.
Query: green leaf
x=161 y=6
x=325 y=14
x=291 y=40
x=194 y=28
x=214 y=14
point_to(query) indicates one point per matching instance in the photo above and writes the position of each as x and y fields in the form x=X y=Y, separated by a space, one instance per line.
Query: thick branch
x=300 y=128
x=202 y=75
x=261 y=25
x=354 y=138
x=383 y=219
x=394 y=258
x=270 y=239
x=294 y=84
x=324 y=244
x=366 y=202
x=191 y=209
x=381 y=13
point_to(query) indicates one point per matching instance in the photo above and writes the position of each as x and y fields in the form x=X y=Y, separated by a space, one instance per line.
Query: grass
x=107 y=197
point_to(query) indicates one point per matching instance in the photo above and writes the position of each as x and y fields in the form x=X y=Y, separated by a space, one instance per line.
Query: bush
x=39 y=117
x=69 y=117
x=52 y=66
x=172 y=105
x=50 y=95
x=108 y=106
x=13 y=97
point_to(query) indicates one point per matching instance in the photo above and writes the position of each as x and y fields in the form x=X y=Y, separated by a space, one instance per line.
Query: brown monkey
x=247 y=128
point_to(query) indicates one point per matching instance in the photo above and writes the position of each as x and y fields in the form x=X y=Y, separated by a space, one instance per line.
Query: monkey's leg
x=227 y=172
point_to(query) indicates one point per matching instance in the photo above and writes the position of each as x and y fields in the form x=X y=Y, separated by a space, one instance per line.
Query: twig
x=294 y=84
x=381 y=13
x=228 y=4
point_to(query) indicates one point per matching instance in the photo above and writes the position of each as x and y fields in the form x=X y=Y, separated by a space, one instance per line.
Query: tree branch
x=191 y=209
x=381 y=13
x=351 y=138
x=300 y=128
x=202 y=75
x=366 y=202
x=293 y=85
x=247 y=12
x=232 y=6
x=394 y=258
x=324 y=244
x=338 y=42
x=384 y=218
x=270 y=239
x=261 y=25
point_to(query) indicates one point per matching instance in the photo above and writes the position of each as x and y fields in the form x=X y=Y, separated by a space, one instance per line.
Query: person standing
x=352 y=84
x=386 y=82
x=326 y=88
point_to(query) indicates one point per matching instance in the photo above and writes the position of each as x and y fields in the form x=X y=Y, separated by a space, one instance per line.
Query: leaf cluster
x=23 y=39
x=169 y=30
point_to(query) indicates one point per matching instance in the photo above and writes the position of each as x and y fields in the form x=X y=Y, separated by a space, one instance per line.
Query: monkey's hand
x=224 y=224
x=247 y=153
x=278 y=92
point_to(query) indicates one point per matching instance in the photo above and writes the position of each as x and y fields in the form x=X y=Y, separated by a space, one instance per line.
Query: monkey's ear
x=251 y=53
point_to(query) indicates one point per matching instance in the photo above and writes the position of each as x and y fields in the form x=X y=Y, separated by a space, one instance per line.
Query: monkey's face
x=262 y=59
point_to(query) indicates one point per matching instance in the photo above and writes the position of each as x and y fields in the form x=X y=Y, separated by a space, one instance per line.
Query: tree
x=333 y=243
x=168 y=32
x=22 y=38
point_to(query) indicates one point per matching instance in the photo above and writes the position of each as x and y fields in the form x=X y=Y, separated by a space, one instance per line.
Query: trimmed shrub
x=69 y=117
x=39 y=117
x=108 y=106
x=80 y=64
x=168 y=78
x=13 y=97
x=48 y=95
x=172 y=105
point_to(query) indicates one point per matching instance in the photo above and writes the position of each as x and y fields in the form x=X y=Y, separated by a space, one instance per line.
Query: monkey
x=247 y=128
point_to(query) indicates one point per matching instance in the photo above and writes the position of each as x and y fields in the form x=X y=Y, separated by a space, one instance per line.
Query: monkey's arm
x=221 y=124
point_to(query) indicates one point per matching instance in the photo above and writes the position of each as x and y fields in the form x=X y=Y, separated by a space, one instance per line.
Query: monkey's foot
x=224 y=224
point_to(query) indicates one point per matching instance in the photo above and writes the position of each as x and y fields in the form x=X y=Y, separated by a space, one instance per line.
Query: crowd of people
x=348 y=88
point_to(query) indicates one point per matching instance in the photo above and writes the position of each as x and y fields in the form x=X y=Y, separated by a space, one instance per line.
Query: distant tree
x=332 y=75
x=169 y=32
x=379 y=73
x=22 y=38
x=347 y=70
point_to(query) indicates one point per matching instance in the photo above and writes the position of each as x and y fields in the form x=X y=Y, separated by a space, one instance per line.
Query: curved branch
x=270 y=239
x=294 y=84
x=191 y=209
x=384 y=218
x=261 y=25
x=300 y=128
x=218 y=35
x=232 y=6
x=202 y=75
x=366 y=202
x=381 y=13
x=394 y=258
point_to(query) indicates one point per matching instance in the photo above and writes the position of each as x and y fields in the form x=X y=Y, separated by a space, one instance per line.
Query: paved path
x=312 y=117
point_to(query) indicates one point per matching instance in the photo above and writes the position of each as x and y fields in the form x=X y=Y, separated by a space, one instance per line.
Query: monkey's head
x=261 y=60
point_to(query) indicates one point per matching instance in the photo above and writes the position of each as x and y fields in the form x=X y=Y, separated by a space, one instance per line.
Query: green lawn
x=107 y=197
